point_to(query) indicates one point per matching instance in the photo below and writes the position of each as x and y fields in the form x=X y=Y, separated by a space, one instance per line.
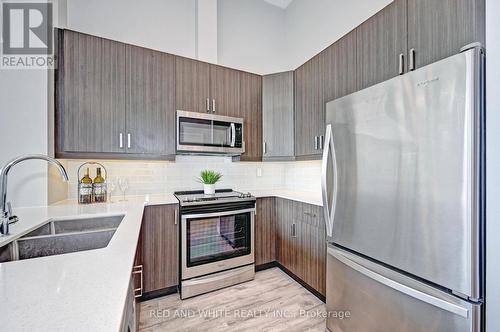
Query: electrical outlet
x=259 y=172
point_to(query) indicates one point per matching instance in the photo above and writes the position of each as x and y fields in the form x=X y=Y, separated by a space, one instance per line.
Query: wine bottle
x=86 y=178
x=99 y=187
x=98 y=178
x=86 y=188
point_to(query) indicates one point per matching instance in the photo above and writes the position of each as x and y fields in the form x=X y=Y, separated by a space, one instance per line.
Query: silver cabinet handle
x=294 y=230
x=329 y=213
x=347 y=259
x=208 y=104
x=121 y=141
x=412 y=59
x=128 y=140
x=401 y=64
x=137 y=270
x=315 y=142
x=321 y=142
x=264 y=147
x=176 y=216
x=213 y=105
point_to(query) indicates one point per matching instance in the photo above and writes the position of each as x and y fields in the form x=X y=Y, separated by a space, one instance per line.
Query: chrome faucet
x=6 y=216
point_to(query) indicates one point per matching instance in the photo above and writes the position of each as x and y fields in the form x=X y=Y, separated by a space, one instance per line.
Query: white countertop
x=308 y=197
x=87 y=290
x=82 y=291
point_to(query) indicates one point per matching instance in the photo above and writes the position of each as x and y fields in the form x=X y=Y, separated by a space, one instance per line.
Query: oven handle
x=215 y=214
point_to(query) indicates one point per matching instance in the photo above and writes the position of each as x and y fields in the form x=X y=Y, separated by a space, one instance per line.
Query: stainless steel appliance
x=217 y=240
x=403 y=194
x=202 y=133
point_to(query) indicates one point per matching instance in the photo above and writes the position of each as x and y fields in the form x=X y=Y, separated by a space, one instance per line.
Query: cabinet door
x=160 y=255
x=309 y=109
x=288 y=232
x=150 y=102
x=313 y=247
x=251 y=111
x=265 y=231
x=439 y=28
x=278 y=116
x=192 y=85
x=380 y=41
x=224 y=90
x=339 y=74
x=90 y=94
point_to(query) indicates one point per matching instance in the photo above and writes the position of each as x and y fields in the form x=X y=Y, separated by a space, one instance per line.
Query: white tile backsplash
x=160 y=177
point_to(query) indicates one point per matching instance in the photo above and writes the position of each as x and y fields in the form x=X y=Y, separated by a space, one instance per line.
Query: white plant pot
x=209 y=189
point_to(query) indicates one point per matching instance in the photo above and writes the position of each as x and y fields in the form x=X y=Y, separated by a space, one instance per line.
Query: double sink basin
x=62 y=236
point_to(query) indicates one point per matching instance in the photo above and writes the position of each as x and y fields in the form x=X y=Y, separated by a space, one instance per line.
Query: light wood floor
x=271 y=302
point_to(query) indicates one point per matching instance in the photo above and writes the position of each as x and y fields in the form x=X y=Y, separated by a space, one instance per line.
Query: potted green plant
x=209 y=179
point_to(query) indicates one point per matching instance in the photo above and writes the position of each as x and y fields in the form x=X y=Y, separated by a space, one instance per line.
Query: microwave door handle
x=329 y=149
x=233 y=135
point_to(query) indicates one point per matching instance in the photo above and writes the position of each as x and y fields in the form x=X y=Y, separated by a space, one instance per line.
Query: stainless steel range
x=217 y=240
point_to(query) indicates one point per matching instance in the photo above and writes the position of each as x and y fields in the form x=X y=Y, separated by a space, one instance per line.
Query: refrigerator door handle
x=417 y=294
x=329 y=149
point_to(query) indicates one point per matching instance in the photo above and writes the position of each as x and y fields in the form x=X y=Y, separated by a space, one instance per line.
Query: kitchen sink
x=62 y=236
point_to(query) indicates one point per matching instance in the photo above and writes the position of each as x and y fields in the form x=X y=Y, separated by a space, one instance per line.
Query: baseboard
x=158 y=293
x=265 y=266
x=174 y=289
x=301 y=282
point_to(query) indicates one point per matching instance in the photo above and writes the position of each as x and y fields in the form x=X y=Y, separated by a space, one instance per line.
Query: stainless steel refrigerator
x=403 y=193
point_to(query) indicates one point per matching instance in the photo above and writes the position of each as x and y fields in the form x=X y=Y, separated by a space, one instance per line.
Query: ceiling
x=279 y=3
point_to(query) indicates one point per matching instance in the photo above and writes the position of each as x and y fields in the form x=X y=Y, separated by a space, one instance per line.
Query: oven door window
x=218 y=238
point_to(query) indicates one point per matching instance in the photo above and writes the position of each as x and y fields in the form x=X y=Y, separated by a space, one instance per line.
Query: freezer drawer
x=364 y=296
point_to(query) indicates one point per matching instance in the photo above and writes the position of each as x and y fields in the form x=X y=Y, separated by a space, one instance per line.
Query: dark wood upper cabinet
x=439 y=28
x=265 y=231
x=278 y=116
x=339 y=68
x=381 y=41
x=309 y=109
x=250 y=110
x=90 y=94
x=192 y=80
x=150 y=102
x=224 y=90
x=160 y=247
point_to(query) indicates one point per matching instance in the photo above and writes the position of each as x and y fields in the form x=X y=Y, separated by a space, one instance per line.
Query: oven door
x=213 y=242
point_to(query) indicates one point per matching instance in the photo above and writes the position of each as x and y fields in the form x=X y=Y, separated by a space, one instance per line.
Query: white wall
x=165 y=25
x=206 y=31
x=23 y=128
x=312 y=25
x=493 y=166
x=251 y=36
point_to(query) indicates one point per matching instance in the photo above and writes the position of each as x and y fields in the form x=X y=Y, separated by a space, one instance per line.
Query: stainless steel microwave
x=202 y=133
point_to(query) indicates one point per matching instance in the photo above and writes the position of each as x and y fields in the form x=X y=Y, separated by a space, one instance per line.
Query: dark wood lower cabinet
x=301 y=242
x=287 y=232
x=159 y=248
x=265 y=231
